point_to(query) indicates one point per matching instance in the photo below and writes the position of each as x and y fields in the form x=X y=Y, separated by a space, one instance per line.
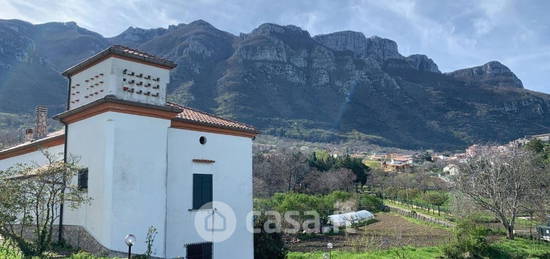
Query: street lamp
x=330 y=246
x=130 y=240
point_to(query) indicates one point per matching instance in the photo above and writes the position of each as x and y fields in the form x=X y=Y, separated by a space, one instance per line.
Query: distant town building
x=541 y=137
x=393 y=162
x=451 y=169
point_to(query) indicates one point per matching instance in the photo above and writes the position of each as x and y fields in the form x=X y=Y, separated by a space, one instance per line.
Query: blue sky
x=455 y=34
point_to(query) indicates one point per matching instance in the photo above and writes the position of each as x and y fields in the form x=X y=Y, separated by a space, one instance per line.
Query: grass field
x=405 y=252
x=441 y=216
x=501 y=249
x=11 y=254
x=372 y=164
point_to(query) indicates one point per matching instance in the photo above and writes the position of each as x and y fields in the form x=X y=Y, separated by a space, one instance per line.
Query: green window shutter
x=197 y=194
x=202 y=190
x=207 y=189
x=83 y=179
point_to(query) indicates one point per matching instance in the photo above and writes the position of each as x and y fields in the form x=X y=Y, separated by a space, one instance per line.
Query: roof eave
x=251 y=131
x=106 y=53
x=46 y=142
x=114 y=99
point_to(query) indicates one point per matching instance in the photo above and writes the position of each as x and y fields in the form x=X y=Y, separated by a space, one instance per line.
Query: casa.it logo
x=215 y=221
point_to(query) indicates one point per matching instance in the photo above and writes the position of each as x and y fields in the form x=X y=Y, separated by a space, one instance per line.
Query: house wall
x=90 y=145
x=106 y=78
x=146 y=70
x=138 y=180
x=126 y=159
x=232 y=184
x=83 y=85
x=36 y=157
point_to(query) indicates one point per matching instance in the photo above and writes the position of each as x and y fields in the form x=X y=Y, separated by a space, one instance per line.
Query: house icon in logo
x=215 y=222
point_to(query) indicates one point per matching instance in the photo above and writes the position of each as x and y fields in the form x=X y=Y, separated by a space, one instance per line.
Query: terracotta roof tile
x=203 y=118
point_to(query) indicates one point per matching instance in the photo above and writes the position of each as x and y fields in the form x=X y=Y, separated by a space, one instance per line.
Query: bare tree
x=501 y=181
x=294 y=167
x=30 y=196
x=325 y=182
x=8 y=139
x=280 y=171
x=268 y=178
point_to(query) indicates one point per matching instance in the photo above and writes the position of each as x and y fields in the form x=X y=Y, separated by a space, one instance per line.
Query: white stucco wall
x=232 y=184
x=33 y=158
x=139 y=180
x=148 y=85
x=90 y=142
x=93 y=83
x=107 y=78
x=126 y=158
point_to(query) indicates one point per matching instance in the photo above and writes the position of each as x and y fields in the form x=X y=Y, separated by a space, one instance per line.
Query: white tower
x=126 y=73
x=117 y=126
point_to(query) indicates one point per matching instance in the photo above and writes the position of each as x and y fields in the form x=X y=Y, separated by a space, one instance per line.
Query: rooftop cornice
x=123 y=53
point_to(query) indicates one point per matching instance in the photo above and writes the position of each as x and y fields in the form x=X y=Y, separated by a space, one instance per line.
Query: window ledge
x=204 y=161
x=194 y=210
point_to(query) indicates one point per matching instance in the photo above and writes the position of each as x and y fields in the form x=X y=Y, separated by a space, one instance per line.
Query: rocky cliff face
x=333 y=87
x=133 y=37
x=423 y=63
x=374 y=47
x=491 y=74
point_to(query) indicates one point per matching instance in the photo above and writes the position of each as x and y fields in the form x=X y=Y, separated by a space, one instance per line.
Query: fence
x=421 y=205
x=413 y=214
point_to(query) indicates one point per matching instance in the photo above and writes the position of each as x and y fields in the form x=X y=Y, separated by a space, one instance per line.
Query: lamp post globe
x=130 y=240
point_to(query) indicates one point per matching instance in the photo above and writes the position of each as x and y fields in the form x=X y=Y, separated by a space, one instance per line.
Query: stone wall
x=78 y=238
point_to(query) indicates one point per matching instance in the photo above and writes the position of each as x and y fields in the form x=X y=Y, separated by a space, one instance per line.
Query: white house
x=150 y=162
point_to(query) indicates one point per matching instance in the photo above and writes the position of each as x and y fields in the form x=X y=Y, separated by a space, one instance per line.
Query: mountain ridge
x=275 y=77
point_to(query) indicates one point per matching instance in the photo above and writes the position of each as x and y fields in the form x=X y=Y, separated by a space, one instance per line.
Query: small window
x=202 y=190
x=199 y=251
x=83 y=179
x=202 y=140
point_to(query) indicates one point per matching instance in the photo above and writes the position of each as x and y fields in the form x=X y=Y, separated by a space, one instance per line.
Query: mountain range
x=341 y=86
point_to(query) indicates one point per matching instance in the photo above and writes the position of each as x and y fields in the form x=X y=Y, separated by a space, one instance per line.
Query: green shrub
x=335 y=196
x=370 y=203
x=291 y=201
x=364 y=223
x=268 y=245
x=470 y=241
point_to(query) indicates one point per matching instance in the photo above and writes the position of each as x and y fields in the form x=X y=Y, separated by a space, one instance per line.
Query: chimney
x=29 y=135
x=41 y=129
